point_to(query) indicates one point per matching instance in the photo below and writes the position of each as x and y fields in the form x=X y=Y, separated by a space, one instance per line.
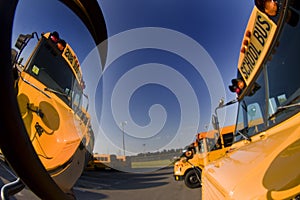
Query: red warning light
x=54 y=36
x=237 y=86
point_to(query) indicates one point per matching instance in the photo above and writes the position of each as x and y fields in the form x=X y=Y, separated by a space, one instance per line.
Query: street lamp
x=123 y=133
x=144 y=145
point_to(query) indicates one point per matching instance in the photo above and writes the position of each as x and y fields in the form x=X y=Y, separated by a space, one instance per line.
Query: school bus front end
x=182 y=166
x=49 y=91
x=207 y=148
x=266 y=169
x=184 y=170
x=264 y=160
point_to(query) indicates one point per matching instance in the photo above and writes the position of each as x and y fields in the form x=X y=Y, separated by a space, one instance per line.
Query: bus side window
x=201 y=146
x=274 y=103
x=281 y=99
x=255 y=119
x=272 y=106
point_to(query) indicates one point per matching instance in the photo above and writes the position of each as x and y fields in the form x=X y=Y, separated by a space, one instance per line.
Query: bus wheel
x=191 y=180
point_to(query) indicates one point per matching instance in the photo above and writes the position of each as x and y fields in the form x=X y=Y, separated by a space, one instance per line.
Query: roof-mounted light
x=270 y=7
x=54 y=37
x=237 y=86
x=246 y=41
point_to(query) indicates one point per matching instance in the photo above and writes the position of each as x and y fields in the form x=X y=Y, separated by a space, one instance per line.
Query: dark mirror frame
x=14 y=142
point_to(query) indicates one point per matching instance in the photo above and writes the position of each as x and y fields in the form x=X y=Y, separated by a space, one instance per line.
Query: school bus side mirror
x=189 y=154
x=22 y=41
x=214 y=122
x=14 y=54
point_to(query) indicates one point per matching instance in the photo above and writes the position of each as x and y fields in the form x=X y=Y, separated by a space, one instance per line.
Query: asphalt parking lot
x=111 y=185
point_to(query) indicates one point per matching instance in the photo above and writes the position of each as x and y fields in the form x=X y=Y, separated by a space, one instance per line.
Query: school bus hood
x=266 y=169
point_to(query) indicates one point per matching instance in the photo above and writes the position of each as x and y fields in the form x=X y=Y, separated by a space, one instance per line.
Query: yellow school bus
x=266 y=164
x=100 y=161
x=49 y=89
x=108 y=161
x=207 y=148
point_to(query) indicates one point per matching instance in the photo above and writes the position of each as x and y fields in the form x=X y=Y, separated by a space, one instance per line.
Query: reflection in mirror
x=49 y=86
x=189 y=154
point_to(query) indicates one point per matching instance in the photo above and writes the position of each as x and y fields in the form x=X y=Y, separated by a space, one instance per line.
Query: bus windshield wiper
x=55 y=91
x=281 y=108
x=34 y=86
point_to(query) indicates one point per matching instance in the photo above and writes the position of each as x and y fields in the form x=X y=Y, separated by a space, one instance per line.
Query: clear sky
x=169 y=63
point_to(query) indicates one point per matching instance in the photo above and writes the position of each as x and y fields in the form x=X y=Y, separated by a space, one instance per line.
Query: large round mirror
x=44 y=92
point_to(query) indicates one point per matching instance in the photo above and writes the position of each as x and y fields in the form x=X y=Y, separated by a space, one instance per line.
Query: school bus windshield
x=49 y=67
x=279 y=83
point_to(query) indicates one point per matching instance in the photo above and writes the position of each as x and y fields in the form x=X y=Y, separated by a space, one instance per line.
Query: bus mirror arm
x=244 y=135
x=231 y=102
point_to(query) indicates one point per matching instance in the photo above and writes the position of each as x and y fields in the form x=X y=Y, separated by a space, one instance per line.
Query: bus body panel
x=267 y=168
x=62 y=130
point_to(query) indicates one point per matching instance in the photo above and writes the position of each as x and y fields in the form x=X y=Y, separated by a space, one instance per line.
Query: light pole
x=144 y=145
x=123 y=133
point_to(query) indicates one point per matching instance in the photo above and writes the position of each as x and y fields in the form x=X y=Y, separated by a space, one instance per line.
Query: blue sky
x=169 y=62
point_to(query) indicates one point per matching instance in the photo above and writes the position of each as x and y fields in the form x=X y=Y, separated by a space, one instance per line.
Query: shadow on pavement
x=115 y=180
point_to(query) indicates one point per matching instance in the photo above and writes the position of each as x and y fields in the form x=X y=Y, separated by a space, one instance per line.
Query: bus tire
x=191 y=180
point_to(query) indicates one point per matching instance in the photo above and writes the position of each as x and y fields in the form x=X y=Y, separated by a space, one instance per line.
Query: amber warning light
x=270 y=7
x=246 y=41
x=237 y=86
x=60 y=43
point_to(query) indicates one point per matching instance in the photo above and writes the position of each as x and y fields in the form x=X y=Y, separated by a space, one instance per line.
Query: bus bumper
x=178 y=178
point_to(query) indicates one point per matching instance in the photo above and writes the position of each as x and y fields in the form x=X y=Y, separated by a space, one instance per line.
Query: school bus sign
x=71 y=58
x=257 y=40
